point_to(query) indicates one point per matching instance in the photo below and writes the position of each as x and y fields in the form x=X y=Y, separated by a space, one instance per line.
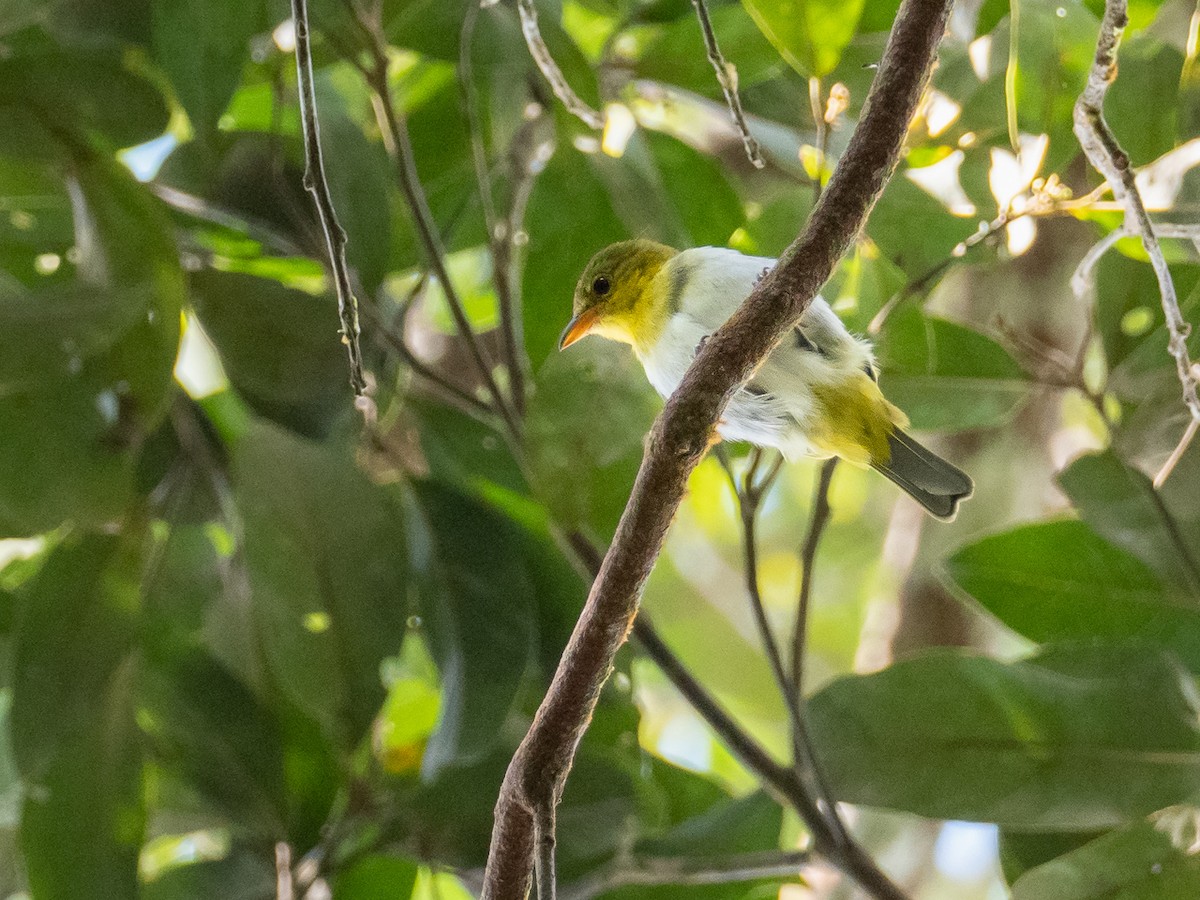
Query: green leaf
x=103 y=331
x=1080 y=737
x=574 y=219
x=947 y=376
x=203 y=45
x=699 y=193
x=1120 y=504
x=280 y=347
x=1021 y=851
x=586 y=423
x=476 y=604
x=360 y=180
x=916 y=251
x=1149 y=68
x=809 y=34
x=210 y=730
x=1054 y=581
x=241 y=875
x=82 y=820
x=85 y=93
x=747 y=824
x=676 y=56
x=376 y=877
x=73 y=633
x=121 y=21
x=463 y=451
x=325 y=554
x=1149 y=860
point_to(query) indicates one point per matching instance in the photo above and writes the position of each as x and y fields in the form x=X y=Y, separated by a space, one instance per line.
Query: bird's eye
x=601 y=286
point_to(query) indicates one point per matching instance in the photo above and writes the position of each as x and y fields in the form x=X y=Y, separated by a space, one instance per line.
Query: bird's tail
x=926 y=477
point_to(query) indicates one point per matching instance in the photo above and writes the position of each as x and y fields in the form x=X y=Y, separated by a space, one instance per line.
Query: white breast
x=775 y=408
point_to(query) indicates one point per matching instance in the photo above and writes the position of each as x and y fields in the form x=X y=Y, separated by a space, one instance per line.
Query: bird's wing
x=708 y=284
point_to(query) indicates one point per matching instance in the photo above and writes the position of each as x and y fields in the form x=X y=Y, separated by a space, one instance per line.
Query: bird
x=817 y=393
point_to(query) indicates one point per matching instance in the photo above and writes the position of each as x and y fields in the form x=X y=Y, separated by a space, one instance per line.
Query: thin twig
x=649 y=871
x=678 y=442
x=318 y=186
x=399 y=148
x=549 y=68
x=1111 y=161
x=808 y=555
x=500 y=236
x=1177 y=454
x=818 y=115
x=393 y=337
x=727 y=79
x=750 y=494
x=803 y=738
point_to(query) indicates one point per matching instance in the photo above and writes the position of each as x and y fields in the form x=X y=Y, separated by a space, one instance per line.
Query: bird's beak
x=577 y=328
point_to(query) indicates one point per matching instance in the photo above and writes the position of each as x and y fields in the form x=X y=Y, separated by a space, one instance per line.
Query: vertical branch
x=727 y=79
x=316 y=183
x=549 y=68
x=679 y=439
x=399 y=148
x=500 y=234
x=804 y=754
x=1111 y=161
x=818 y=116
x=808 y=556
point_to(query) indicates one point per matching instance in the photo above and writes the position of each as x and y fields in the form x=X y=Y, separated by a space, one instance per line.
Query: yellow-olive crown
x=616 y=277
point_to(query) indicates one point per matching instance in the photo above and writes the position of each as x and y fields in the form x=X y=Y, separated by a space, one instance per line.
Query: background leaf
x=1083 y=736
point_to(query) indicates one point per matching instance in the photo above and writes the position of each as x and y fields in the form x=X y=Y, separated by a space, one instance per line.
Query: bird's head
x=618 y=296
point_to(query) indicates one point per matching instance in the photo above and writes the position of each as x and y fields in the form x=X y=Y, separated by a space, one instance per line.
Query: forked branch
x=1111 y=161
x=682 y=434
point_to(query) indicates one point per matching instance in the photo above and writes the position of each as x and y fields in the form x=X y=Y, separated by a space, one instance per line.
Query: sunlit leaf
x=809 y=34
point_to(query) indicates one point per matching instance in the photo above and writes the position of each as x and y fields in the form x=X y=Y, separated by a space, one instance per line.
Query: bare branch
x=500 y=235
x=399 y=148
x=549 y=68
x=727 y=79
x=1168 y=467
x=1111 y=161
x=808 y=556
x=681 y=436
x=651 y=871
x=318 y=186
x=804 y=755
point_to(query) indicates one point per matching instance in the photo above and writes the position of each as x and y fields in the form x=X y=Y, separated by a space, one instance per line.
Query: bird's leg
x=761 y=275
x=700 y=345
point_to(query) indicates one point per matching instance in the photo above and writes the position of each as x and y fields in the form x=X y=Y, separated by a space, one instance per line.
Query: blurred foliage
x=234 y=616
